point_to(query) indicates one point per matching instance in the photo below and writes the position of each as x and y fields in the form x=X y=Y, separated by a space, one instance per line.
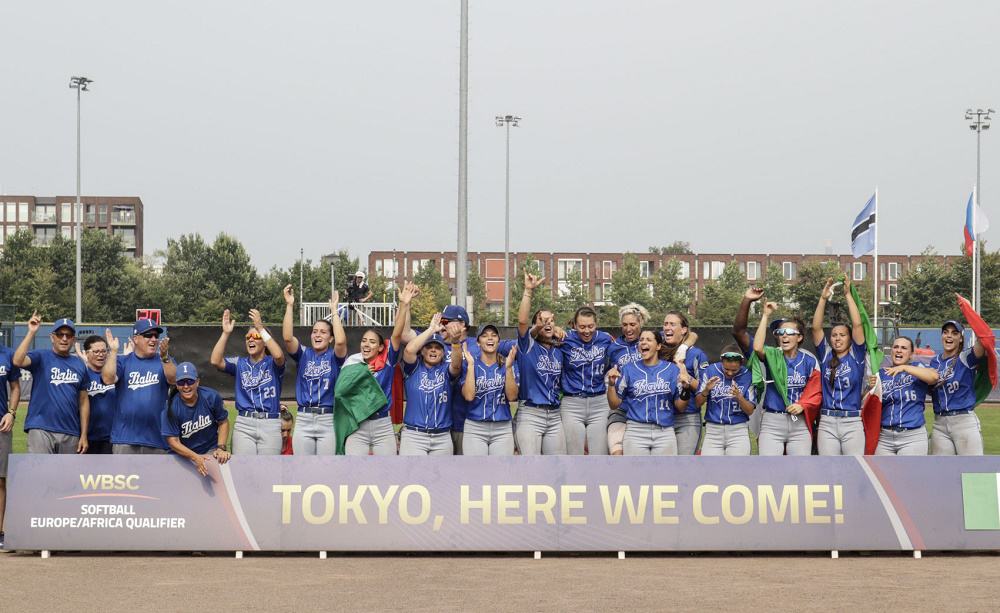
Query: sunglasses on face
x=63 y=334
x=150 y=335
x=254 y=335
x=186 y=383
x=786 y=332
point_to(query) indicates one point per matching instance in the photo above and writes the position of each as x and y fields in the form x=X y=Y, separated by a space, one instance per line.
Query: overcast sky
x=736 y=126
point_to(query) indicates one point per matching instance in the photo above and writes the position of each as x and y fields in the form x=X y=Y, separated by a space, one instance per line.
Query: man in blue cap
x=143 y=379
x=196 y=424
x=59 y=409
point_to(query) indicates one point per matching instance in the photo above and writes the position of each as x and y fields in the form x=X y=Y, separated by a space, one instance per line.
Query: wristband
x=681 y=352
x=265 y=335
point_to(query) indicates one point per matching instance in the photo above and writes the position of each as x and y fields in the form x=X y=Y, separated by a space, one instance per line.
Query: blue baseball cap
x=485 y=327
x=437 y=338
x=65 y=322
x=454 y=312
x=186 y=371
x=143 y=326
x=951 y=322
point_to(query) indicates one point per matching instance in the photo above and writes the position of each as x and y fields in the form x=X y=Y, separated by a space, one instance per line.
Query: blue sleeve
x=339 y=360
x=504 y=347
x=218 y=409
x=15 y=374
x=408 y=369
x=821 y=349
x=297 y=354
x=392 y=357
x=35 y=356
x=524 y=341
x=168 y=425
x=703 y=381
x=968 y=357
x=858 y=350
x=231 y=366
x=278 y=368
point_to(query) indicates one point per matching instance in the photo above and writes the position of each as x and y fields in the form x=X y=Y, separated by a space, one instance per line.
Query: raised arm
x=339 y=335
x=169 y=367
x=287 y=328
x=272 y=345
x=109 y=372
x=740 y=333
x=218 y=358
x=817 y=322
x=20 y=357
x=524 y=310
x=758 y=339
x=455 y=364
x=413 y=347
x=410 y=291
x=857 y=329
x=469 y=385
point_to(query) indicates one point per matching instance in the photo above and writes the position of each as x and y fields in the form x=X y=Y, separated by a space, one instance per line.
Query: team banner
x=559 y=503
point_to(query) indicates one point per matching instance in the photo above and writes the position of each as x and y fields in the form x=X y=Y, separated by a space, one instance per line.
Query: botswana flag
x=863 y=231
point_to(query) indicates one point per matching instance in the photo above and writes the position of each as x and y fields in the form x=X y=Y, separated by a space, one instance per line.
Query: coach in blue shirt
x=195 y=423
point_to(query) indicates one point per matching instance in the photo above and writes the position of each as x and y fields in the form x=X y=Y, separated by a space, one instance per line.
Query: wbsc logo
x=109 y=482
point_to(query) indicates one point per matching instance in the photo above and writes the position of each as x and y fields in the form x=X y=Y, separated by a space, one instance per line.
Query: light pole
x=80 y=85
x=506 y=121
x=302 y=256
x=461 y=278
x=980 y=120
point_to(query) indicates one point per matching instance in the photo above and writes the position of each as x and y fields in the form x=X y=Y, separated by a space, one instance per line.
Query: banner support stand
x=621 y=555
x=916 y=554
x=834 y=554
x=322 y=555
x=46 y=554
x=538 y=555
x=239 y=555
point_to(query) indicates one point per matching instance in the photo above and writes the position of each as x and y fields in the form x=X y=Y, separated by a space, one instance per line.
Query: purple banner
x=559 y=503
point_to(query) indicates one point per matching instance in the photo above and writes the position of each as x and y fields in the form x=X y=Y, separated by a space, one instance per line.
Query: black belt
x=839 y=413
x=951 y=413
x=258 y=414
x=427 y=430
x=316 y=410
x=901 y=428
x=582 y=395
x=547 y=407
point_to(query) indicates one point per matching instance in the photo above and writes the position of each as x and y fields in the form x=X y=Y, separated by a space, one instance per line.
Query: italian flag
x=981 y=500
x=871 y=404
x=986 y=373
x=812 y=394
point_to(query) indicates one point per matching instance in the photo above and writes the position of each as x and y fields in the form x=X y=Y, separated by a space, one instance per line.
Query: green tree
x=477 y=289
x=670 y=292
x=720 y=299
x=434 y=294
x=627 y=285
x=574 y=297
x=541 y=298
x=989 y=284
x=809 y=283
x=774 y=285
x=674 y=248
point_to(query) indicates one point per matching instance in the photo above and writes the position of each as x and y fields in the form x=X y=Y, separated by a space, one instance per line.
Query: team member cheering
x=258 y=386
x=539 y=425
x=10 y=378
x=843 y=369
x=427 y=421
x=727 y=385
x=195 y=423
x=143 y=379
x=103 y=396
x=956 y=427
x=904 y=390
x=649 y=391
x=679 y=348
x=793 y=391
x=375 y=434
x=625 y=350
x=584 y=407
x=315 y=377
x=59 y=408
x=489 y=384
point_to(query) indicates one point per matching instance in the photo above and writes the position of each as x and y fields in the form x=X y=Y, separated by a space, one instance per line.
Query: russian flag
x=973 y=226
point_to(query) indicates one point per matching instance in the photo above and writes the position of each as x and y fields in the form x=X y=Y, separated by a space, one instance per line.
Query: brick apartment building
x=596 y=269
x=48 y=216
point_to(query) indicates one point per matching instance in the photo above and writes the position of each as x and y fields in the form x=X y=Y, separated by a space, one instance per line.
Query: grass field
x=989 y=417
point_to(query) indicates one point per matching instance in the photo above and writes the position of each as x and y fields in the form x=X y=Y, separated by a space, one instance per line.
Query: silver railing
x=378 y=314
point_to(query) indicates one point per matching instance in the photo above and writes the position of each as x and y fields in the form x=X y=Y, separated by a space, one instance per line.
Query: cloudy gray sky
x=737 y=126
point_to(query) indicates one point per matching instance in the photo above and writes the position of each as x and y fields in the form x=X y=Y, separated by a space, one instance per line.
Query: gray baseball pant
x=585 y=422
x=783 y=432
x=649 y=439
x=726 y=439
x=956 y=435
x=687 y=429
x=488 y=438
x=374 y=436
x=840 y=436
x=539 y=431
x=907 y=442
x=415 y=442
x=314 y=434
x=254 y=436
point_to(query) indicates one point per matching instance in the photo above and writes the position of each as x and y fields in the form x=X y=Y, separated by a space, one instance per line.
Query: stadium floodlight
x=80 y=85
x=506 y=121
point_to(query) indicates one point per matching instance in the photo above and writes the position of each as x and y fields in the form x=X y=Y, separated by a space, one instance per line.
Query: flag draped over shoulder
x=986 y=372
x=812 y=394
x=871 y=405
x=358 y=396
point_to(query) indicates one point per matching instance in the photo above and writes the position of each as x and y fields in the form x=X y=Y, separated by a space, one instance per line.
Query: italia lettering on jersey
x=848 y=382
x=103 y=401
x=695 y=362
x=258 y=384
x=428 y=395
x=648 y=392
x=196 y=426
x=490 y=403
x=55 y=392
x=955 y=390
x=800 y=368
x=541 y=370
x=903 y=399
x=722 y=407
x=8 y=374
x=459 y=405
x=142 y=390
x=316 y=376
x=584 y=363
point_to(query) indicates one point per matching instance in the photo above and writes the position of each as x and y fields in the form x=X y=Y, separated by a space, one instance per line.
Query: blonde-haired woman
x=624 y=350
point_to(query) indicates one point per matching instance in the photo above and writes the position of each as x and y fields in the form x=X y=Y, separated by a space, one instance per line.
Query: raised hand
x=736 y=392
x=289 y=294
x=753 y=294
x=35 y=322
x=79 y=352
x=164 y=347
x=453 y=330
x=711 y=383
x=113 y=343
x=228 y=324
x=828 y=289
x=511 y=355
x=532 y=281
x=469 y=360
x=436 y=324
x=258 y=324
x=613 y=375
x=129 y=347
x=770 y=308
x=334 y=301
x=409 y=292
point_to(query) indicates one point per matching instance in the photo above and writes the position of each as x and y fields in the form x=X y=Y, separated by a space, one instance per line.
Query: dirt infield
x=169 y=582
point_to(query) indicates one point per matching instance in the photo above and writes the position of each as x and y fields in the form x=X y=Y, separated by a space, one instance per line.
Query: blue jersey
x=103 y=402
x=384 y=378
x=8 y=374
x=197 y=427
x=903 y=399
x=722 y=407
x=142 y=390
x=459 y=406
x=849 y=380
x=541 y=370
x=695 y=362
x=428 y=395
x=258 y=384
x=55 y=392
x=648 y=392
x=800 y=368
x=584 y=364
x=955 y=390
x=490 y=403
x=316 y=376
x=622 y=352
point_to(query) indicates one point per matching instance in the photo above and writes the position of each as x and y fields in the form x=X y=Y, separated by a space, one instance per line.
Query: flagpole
x=875 y=275
x=975 y=240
